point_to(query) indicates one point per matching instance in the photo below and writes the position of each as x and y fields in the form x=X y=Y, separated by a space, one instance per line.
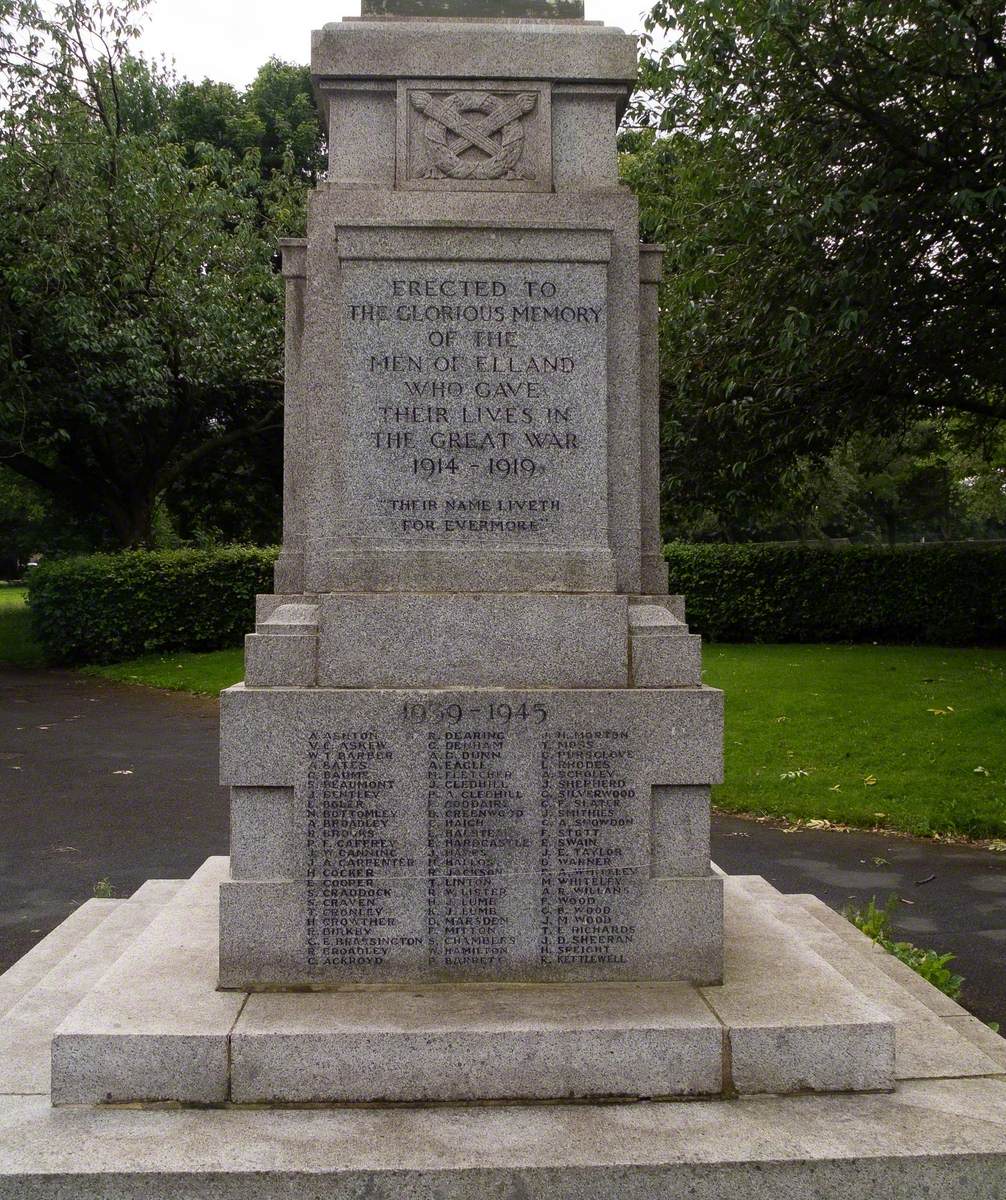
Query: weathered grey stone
x=474 y=136
x=815 y=1034
x=661 y=651
x=675 y=605
x=476 y=835
x=450 y=228
x=473 y=50
x=279 y=660
x=488 y=1042
x=289 y=570
x=264 y=842
x=946 y=1138
x=927 y=1044
x=681 y=821
x=670 y=661
x=538 y=9
x=354 y=1042
x=654 y=567
x=584 y=129
x=480 y=640
x=27 y=1026
x=266 y=605
x=294 y=618
x=473 y=513
x=20 y=978
x=154 y=1027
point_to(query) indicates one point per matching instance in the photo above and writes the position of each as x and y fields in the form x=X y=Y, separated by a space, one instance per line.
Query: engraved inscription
x=477 y=406
x=476 y=840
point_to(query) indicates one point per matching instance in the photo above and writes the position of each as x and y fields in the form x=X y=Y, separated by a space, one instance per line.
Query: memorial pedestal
x=785 y=1020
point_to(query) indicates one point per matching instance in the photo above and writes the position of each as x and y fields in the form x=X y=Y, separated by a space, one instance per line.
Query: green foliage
x=206 y=673
x=939 y=594
x=17 y=647
x=876 y=924
x=827 y=180
x=103 y=889
x=140 y=304
x=104 y=607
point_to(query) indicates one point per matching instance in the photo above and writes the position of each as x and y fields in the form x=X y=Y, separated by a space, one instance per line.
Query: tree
x=140 y=307
x=828 y=180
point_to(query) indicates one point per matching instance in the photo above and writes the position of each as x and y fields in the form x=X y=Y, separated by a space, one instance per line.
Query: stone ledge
x=156 y=1029
x=477 y=1043
x=943 y=1138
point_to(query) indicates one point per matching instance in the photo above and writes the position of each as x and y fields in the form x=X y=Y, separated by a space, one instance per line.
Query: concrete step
x=934 y=1037
x=28 y=1024
x=42 y=957
x=155 y=1027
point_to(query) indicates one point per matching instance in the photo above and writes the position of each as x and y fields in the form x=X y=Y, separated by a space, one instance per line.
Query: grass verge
x=206 y=673
x=896 y=737
x=17 y=647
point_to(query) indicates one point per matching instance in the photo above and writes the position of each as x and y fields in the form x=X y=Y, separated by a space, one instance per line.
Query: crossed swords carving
x=470 y=133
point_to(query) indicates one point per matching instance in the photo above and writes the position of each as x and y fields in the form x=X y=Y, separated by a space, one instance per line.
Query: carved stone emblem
x=490 y=124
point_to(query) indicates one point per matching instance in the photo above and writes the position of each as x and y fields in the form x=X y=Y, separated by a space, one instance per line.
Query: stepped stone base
x=941 y=1131
x=156 y=1028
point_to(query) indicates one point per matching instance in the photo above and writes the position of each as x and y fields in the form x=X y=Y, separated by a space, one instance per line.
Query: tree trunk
x=132 y=520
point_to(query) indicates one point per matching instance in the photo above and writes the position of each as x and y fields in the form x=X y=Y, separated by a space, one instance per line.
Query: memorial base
x=157 y=1028
x=941 y=1131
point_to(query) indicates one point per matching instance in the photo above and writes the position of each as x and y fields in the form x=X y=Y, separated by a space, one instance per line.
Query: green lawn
x=909 y=738
x=206 y=673
x=16 y=645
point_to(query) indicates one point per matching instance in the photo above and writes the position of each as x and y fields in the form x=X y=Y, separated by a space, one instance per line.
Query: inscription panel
x=474 y=414
x=476 y=836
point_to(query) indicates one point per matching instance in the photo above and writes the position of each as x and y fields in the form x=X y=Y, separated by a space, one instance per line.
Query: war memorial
x=469 y=941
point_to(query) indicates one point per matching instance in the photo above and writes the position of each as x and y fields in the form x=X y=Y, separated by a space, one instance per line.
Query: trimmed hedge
x=106 y=607
x=935 y=595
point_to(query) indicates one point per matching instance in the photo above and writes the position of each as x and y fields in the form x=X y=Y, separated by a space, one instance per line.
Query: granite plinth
x=476 y=834
x=493 y=1042
x=470 y=367
x=488 y=640
x=155 y=1028
x=938 y=1136
x=562 y=10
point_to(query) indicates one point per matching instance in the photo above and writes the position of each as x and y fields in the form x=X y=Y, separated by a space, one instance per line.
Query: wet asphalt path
x=107 y=780
x=98 y=780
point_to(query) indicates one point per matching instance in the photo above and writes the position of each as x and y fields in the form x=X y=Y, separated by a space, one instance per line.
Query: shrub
x=876 y=924
x=104 y=607
x=938 y=595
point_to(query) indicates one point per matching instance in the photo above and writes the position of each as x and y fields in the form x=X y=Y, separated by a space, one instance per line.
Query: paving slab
x=933 y=1138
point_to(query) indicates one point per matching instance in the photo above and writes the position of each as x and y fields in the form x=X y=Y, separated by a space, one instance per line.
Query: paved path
x=71 y=815
x=100 y=779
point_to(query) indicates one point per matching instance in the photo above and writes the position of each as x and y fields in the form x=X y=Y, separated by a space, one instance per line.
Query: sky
x=229 y=40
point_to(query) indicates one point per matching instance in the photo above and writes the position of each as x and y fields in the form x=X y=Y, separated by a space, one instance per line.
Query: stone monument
x=471 y=758
x=472 y=743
